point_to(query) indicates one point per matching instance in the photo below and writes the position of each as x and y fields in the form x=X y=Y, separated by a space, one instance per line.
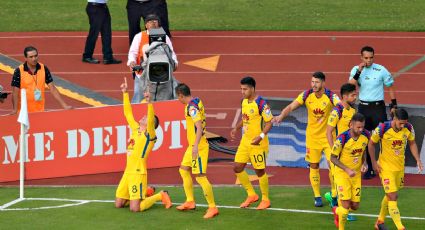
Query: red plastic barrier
x=87 y=141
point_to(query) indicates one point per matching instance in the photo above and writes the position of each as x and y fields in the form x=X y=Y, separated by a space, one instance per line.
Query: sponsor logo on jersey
x=397 y=143
x=357 y=151
x=318 y=111
x=245 y=117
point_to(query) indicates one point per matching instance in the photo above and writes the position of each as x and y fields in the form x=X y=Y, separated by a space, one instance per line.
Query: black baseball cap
x=151 y=17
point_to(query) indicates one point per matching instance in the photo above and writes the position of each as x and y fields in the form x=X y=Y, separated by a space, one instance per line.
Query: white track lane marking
x=235 y=120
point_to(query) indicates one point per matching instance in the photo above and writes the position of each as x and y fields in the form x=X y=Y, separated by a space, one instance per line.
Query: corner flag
x=23 y=114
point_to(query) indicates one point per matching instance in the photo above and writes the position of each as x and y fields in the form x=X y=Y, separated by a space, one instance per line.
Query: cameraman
x=136 y=54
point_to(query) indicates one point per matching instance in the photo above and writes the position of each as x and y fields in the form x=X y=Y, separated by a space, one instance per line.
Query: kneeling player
x=132 y=189
x=348 y=157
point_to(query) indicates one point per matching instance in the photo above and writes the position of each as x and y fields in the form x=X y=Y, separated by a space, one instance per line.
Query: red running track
x=281 y=62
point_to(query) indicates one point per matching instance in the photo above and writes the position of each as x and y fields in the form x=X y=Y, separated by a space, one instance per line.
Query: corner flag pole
x=25 y=125
x=22 y=160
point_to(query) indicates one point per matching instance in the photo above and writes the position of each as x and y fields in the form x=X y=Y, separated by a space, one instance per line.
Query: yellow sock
x=148 y=202
x=331 y=180
x=395 y=214
x=264 y=186
x=244 y=179
x=342 y=216
x=187 y=184
x=207 y=188
x=315 y=181
x=384 y=209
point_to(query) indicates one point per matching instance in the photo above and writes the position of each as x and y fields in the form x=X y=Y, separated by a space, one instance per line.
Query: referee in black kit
x=137 y=9
x=100 y=21
x=371 y=79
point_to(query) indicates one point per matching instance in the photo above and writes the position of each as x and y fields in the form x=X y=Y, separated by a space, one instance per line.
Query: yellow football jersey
x=254 y=114
x=349 y=151
x=393 y=147
x=340 y=118
x=194 y=111
x=318 y=111
x=140 y=143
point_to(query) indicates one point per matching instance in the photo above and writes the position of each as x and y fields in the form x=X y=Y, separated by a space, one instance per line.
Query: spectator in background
x=100 y=21
x=137 y=9
x=33 y=76
x=371 y=79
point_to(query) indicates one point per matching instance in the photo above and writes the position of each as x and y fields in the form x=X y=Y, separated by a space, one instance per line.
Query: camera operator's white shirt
x=134 y=49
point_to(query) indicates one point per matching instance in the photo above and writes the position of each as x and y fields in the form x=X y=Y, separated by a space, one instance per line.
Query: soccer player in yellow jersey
x=339 y=120
x=195 y=159
x=132 y=187
x=254 y=145
x=394 y=136
x=319 y=102
x=348 y=157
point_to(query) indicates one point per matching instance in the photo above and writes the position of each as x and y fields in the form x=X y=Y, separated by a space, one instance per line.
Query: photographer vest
x=143 y=41
x=30 y=83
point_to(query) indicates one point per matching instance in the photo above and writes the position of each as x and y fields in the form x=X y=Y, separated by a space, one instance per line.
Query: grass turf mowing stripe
x=80 y=202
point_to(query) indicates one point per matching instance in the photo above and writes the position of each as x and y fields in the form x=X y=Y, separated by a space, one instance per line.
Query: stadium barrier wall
x=287 y=141
x=87 y=141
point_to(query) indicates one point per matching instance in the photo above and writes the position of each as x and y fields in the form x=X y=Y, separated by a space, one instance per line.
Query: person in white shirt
x=137 y=54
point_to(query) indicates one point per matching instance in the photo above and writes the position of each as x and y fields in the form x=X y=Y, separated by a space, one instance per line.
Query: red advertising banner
x=87 y=141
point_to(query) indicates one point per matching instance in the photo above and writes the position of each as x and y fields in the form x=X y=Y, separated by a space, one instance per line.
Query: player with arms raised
x=132 y=188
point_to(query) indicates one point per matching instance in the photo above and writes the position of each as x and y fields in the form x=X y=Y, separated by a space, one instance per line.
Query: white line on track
x=237 y=54
x=81 y=202
x=238 y=91
x=219 y=72
x=235 y=120
x=249 y=36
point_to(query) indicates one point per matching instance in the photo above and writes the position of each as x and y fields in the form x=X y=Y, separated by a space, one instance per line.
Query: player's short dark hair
x=156 y=121
x=358 y=117
x=28 y=49
x=347 y=88
x=368 y=49
x=183 y=89
x=319 y=75
x=248 y=80
x=401 y=114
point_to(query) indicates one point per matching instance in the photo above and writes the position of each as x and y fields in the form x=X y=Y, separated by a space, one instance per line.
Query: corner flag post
x=25 y=125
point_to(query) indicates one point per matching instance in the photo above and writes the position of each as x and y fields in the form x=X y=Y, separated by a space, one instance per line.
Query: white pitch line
x=80 y=202
x=235 y=120
x=11 y=203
